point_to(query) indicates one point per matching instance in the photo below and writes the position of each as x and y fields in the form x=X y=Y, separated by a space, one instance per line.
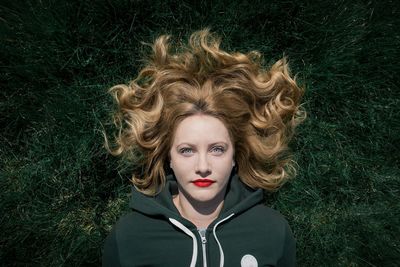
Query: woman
x=213 y=128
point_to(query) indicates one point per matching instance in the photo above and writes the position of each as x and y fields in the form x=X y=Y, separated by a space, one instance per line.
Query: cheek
x=225 y=166
x=181 y=165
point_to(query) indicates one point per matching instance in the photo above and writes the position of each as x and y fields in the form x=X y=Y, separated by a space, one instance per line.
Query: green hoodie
x=246 y=233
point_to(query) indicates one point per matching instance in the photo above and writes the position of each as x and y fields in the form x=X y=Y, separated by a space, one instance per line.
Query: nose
x=203 y=166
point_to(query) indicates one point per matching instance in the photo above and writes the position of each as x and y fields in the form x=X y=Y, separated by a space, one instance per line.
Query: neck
x=201 y=214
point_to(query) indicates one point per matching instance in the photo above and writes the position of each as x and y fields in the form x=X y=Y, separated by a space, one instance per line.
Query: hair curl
x=260 y=108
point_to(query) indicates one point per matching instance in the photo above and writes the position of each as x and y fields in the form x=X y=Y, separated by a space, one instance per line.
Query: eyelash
x=219 y=149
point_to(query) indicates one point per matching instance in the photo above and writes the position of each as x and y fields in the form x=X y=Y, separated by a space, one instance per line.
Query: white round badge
x=248 y=261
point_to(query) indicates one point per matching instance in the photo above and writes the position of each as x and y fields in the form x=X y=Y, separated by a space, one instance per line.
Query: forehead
x=201 y=128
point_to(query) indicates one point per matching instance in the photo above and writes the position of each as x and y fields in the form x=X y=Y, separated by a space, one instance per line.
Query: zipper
x=203 y=241
x=203 y=238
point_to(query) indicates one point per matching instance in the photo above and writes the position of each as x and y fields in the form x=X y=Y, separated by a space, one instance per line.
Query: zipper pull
x=203 y=236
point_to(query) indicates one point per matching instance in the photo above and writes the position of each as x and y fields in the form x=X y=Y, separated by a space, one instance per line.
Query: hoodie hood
x=245 y=230
x=238 y=199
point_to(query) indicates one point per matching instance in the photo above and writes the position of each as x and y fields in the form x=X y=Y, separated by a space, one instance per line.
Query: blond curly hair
x=260 y=108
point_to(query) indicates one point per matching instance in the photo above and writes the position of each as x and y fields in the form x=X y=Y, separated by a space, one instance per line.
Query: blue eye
x=218 y=149
x=185 y=150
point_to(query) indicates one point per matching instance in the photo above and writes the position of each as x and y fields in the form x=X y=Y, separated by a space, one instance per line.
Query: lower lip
x=203 y=183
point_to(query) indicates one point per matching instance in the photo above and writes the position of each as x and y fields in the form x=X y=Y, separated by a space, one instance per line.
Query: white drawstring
x=189 y=233
x=221 y=252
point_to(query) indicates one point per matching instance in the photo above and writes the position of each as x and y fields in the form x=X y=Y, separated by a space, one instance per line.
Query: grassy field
x=60 y=192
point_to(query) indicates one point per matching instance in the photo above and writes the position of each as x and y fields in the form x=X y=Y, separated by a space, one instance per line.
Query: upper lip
x=203 y=180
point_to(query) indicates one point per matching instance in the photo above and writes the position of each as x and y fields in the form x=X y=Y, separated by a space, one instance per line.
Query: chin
x=204 y=196
x=202 y=199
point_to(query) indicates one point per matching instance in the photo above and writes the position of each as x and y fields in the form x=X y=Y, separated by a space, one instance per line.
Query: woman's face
x=202 y=157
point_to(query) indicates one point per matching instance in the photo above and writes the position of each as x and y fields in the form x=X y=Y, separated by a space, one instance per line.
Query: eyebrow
x=213 y=144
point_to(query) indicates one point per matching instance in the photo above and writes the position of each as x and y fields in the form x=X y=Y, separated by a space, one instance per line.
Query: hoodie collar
x=238 y=198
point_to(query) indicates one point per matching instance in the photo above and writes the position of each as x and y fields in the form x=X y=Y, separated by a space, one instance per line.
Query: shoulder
x=269 y=223
x=134 y=225
x=265 y=221
x=111 y=253
x=126 y=233
x=264 y=233
x=127 y=222
x=273 y=225
x=135 y=234
x=264 y=214
x=281 y=232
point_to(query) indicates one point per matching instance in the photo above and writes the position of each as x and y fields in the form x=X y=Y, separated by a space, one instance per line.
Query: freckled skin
x=202 y=148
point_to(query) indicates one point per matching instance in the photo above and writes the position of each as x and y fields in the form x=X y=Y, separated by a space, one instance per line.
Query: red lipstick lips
x=203 y=182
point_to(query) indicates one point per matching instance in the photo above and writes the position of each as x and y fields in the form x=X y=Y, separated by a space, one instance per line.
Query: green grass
x=61 y=192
